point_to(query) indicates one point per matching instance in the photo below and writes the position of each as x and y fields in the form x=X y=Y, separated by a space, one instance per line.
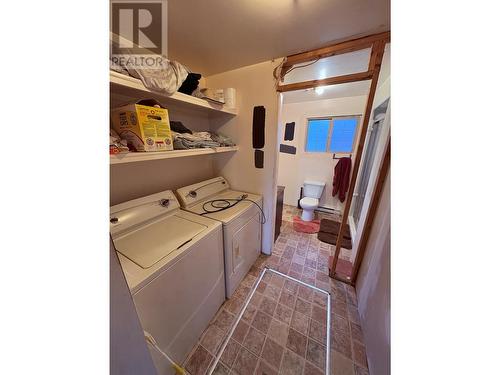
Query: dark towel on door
x=341 y=175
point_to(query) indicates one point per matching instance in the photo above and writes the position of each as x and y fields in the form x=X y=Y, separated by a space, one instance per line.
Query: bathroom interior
x=318 y=135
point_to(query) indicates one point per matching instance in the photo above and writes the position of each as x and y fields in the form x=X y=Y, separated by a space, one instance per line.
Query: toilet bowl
x=308 y=206
x=312 y=193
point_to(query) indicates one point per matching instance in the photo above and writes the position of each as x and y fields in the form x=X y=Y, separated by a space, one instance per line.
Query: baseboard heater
x=327 y=210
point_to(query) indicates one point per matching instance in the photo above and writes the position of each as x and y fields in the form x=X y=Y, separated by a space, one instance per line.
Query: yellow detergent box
x=145 y=126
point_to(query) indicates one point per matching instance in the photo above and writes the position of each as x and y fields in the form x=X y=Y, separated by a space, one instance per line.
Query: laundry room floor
x=292 y=338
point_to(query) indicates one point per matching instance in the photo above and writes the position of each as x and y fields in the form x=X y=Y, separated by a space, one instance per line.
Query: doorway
x=317 y=130
x=301 y=156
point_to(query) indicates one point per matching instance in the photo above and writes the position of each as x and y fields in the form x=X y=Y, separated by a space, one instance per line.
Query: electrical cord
x=277 y=70
x=301 y=66
x=225 y=204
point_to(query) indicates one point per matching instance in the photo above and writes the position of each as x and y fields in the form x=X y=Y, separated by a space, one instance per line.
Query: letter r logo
x=137 y=27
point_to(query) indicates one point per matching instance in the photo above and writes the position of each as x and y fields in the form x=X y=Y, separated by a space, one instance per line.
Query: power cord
x=225 y=204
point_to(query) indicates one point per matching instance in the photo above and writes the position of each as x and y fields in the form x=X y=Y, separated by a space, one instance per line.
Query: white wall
x=294 y=169
x=134 y=180
x=373 y=288
x=254 y=86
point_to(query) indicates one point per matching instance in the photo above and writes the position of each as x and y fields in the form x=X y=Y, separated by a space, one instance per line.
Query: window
x=332 y=134
x=344 y=131
x=317 y=135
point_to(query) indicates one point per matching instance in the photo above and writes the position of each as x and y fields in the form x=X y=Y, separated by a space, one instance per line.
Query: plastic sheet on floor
x=283 y=328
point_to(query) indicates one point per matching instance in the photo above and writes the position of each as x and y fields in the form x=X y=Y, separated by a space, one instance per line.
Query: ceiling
x=219 y=35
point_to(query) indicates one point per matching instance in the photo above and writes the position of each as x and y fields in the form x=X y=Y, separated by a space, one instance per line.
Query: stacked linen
x=222 y=140
x=184 y=141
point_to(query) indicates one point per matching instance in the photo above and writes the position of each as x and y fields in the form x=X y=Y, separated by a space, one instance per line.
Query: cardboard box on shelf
x=144 y=124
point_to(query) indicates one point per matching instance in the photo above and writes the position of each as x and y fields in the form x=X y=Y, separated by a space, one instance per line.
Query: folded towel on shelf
x=183 y=141
x=204 y=135
x=222 y=140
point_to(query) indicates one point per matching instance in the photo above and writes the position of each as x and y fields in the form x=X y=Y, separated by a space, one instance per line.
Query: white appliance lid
x=153 y=242
x=199 y=192
x=226 y=216
x=129 y=215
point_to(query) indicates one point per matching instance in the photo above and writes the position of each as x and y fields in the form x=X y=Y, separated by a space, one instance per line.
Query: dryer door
x=243 y=244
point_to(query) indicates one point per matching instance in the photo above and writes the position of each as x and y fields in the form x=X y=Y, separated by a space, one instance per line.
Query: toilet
x=312 y=194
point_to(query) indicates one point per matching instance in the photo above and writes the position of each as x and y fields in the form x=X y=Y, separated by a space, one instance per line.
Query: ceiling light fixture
x=319 y=90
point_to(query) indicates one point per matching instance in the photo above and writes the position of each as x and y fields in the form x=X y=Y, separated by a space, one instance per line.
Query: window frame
x=331 y=120
x=330 y=123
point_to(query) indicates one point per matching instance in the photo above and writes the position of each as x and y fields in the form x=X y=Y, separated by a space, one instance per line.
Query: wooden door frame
x=377 y=44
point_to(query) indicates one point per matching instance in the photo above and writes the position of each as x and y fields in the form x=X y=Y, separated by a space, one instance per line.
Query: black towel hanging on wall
x=259 y=159
x=258 y=128
x=289 y=131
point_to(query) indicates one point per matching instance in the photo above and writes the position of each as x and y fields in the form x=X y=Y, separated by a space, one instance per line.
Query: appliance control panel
x=127 y=215
x=199 y=192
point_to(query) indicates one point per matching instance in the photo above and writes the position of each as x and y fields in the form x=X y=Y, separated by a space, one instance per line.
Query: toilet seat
x=308 y=202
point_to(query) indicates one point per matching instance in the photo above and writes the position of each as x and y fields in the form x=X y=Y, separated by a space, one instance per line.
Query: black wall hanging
x=259 y=159
x=258 y=129
x=289 y=131
x=286 y=149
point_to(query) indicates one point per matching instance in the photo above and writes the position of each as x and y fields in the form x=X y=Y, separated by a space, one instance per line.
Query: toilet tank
x=313 y=189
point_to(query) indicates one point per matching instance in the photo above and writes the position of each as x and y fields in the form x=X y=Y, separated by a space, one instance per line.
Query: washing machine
x=241 y=216
x=174 y=266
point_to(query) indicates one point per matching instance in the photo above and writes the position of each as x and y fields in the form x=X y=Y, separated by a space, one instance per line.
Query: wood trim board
x=337 y=49
x=348 y=78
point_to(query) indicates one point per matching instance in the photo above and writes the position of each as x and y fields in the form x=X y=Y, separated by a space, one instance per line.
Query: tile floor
x=283 y=330
x=344 y=264
x=280 y=330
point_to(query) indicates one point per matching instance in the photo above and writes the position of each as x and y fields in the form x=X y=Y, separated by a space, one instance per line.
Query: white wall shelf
x=132 y=157
x=129 y=87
